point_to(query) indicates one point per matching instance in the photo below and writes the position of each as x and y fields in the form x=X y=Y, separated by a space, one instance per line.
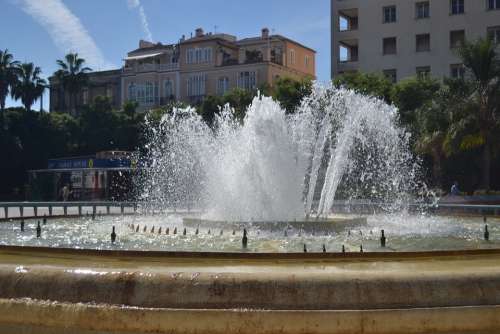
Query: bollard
x=21 y=211
x=486 y=233
x=22 y=225
x=159 y=230
x=184 y=232
x=44 y=220
x=234 y=232
x=343 y=249
x=35 y=210
x=113 y=235
x=137 y=229
x=153 y=229
x=305 y=248
x=244 y=240
x=38 y=230
x=349 y=233
x=197 y=231
x=208 y=231
x=167 y=231
x=360 y=233
x=324 y=248
x=286 y=234
x=175 y=230
x=382 y=239
x=144 y=229
x=361 y=249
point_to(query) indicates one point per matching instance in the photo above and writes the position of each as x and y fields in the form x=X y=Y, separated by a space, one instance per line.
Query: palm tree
x=7 y=79
x=72 y=75
x=482 y=62
x=29 y=86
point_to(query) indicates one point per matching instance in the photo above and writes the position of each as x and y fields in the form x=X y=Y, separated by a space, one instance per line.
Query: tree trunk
x=486 y=166
x=2 y=112
x=437 y=168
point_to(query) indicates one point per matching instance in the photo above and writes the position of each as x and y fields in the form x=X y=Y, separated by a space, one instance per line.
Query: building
x=403 y=38
x=104 y=176
x=204 y=64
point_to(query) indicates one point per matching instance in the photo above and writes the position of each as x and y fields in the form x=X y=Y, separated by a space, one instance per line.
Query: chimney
x=145 y=44
x=265 y=33
x=199 y=32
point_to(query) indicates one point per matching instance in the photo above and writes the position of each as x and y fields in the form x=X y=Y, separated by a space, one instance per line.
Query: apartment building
x=403 y=38
x=204 y=64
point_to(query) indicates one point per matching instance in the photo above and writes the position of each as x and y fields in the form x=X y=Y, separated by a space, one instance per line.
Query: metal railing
x=64 y=206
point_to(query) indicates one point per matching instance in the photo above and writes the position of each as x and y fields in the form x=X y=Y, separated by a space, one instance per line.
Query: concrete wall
x=371 y=30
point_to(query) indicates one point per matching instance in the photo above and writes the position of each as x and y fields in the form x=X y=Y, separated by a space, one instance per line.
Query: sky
x=103 y=31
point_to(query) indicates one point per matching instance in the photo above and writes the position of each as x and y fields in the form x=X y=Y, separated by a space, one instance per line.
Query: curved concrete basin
x=60 y=290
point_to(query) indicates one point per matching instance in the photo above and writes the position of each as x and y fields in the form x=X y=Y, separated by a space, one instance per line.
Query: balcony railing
x=152 y=68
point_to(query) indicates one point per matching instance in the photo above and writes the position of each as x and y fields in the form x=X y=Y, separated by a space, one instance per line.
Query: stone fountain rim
x=249 y=255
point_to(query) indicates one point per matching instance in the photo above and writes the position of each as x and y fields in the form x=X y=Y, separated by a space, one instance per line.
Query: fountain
x=250 y=234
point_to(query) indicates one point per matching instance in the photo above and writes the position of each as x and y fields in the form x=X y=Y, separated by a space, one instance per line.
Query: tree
x=29 y=86
x=72 y=75
x=483 y=120
x=8 y=68
x=290 y=92
x=372 y=84
x=411 y=94
x=239 y=99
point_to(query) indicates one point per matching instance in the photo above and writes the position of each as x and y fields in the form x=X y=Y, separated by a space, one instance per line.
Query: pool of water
x=404 y=233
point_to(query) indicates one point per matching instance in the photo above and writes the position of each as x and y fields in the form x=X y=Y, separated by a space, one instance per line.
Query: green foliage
x=371 y=84
x=29 y=86
x=291 y=92
x=412 y=94
x=8 y=68
x=72 y=74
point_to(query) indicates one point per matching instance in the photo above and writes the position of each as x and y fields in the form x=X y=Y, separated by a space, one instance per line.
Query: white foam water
x=278 y=166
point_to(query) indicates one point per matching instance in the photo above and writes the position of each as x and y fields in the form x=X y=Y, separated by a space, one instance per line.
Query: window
x=494 y=34
x=247 y=80
x=169 y=89
x=493 y=4
x=222 y=85
x=190 y=56
x=389 y=13
x=85 y=96
x=389 y=46
x=131 y=92
x=457 y=7
x=424 y=72
x=145 y=93
x=207 y=55
x=422 y=10
x=457 y=38
x=391 y=75
x=423 y=42
x=196 y=85
x=292 y=56
x=457 y=71
x=306 y=61
x=198 y=55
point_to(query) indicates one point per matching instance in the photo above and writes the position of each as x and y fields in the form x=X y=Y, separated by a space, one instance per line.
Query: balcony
x=347 y=20
x=151 y=68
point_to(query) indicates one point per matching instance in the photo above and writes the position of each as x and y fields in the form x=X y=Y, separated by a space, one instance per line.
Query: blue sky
x=42 y=31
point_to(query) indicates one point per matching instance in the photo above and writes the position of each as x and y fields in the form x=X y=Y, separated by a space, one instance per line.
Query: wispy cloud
x=136 y=4
x=66 y=30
